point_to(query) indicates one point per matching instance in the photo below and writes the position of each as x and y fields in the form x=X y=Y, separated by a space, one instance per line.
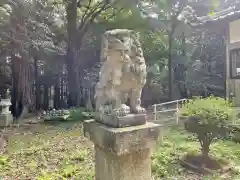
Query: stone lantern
x=5 y=115
x=5 y=104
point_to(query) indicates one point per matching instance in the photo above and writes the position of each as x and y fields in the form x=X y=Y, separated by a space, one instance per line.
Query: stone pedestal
x=125 y=121
x=6 y=120
x=122 y=153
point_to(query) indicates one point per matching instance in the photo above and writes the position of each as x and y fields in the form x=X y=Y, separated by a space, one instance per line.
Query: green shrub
x=77 y=115
x=208 y=119
x=3 y=160
x=234 y=134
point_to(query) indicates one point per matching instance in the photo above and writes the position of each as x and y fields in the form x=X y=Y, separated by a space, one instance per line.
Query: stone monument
x=122 y=137
x=6 y=117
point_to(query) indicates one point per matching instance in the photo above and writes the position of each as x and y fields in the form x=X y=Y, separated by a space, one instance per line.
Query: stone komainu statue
x=122 y=73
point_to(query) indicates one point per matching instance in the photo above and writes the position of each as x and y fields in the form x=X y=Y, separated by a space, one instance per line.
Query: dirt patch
x=202 y=165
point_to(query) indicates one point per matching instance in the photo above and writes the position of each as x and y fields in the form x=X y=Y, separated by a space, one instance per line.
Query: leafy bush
x=234 y=134
x=208 y=119
x=77 y=115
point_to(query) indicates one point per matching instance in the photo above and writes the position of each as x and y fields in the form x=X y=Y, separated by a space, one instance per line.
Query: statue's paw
x=121 y=111
x=140 y=110
x=125 y=108
x=117 y=112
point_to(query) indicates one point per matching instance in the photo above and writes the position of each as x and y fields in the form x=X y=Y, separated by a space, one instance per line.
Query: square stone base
x=6 y=120
x=122 y=153
x=123 y=121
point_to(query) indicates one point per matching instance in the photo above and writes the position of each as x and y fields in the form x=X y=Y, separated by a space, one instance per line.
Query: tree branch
x=90 y=16
x=85 y=13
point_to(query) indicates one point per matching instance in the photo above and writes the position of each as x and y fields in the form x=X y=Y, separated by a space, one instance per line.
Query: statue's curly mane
x=122 y=66
x=113 y=38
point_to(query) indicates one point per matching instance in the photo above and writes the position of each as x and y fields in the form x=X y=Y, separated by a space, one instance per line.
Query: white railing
x=177 y=106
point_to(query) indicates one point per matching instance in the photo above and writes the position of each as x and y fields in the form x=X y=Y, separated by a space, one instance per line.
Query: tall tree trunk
x=170 y=73
x=57 y=94
x=72 y=79
x=46 y=97
x=72 y=52
x=81 y=90
x=181 y=83
x=61 y=93
x=14 y=94
x=37 y=83
x=22 y=78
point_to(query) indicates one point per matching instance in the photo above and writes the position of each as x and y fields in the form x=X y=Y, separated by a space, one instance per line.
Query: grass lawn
x=48 y=152
x=177 y=142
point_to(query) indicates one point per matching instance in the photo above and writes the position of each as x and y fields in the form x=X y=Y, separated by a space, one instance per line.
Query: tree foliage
x=57 y=42
x=208 y=119
x=25 y=33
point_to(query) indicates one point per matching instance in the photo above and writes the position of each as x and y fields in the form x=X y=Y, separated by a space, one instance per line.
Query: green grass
x=77 y=115
x=47 y=152
x=177 y=142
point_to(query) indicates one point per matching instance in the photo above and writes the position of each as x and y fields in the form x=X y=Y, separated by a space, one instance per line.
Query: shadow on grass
x=208 y=165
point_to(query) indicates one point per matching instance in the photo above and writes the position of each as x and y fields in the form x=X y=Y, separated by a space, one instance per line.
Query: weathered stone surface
x=6 y=119
x=122 y=141
x=134 y=166
x=122 y=74
x=123 y=121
